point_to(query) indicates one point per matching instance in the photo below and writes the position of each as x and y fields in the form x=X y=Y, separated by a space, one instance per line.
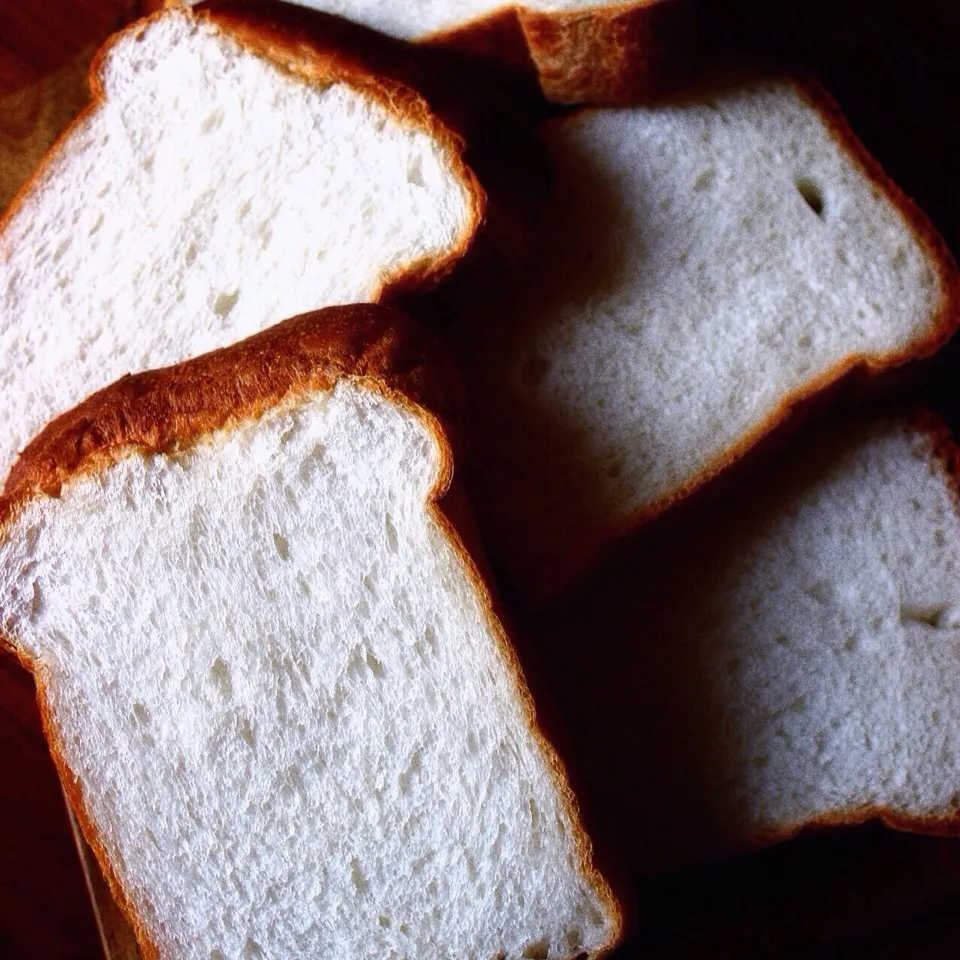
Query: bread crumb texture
x=285 y=703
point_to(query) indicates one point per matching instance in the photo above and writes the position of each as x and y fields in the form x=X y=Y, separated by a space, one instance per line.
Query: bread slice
x=705 y=266
x=272 y=677
x=581 y=51
x=217 y=186
x=785 y=658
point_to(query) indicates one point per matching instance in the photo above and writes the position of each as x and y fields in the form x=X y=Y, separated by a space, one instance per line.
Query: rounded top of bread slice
x=232 y=172
x=271 y=674
x=167 y=410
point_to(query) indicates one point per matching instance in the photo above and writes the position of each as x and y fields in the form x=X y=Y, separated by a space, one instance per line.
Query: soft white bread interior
x=216 y=191
x=704 y=266
x=787 y=656
x=273 y=679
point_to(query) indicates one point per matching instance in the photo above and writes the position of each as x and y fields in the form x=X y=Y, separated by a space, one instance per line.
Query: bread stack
x=270 y=545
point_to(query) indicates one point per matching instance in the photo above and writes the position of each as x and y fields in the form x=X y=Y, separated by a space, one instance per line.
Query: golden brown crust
x=495 y=38
x=625 y=52
x=946 y=826
x=162 y=410
x=621 y=53
x=170 y=409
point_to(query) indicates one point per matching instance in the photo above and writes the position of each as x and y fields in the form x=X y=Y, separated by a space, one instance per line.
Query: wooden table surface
x=38 y=36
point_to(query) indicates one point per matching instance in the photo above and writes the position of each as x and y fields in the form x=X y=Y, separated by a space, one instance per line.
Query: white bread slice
x=581 y=51
x=272 y=678
x=787 y=657
x=225 y=179
x=705 y=266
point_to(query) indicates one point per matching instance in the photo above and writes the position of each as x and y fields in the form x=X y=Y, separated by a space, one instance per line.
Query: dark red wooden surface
x=44 y=908
x=37 y=36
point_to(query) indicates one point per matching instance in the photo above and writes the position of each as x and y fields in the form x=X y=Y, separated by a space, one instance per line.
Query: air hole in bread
x=356 y=876
x=393 y=542
x=927 y=616
x=36 y=601
x=415 y=173
x=225 y=302
x=812 y=194
x=220 y=675
x=574 y=940
x=614 y=470
x=533 y=371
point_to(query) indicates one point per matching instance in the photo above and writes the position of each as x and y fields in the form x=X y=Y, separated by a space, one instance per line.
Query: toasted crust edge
x=168 y=410
x=159 y=411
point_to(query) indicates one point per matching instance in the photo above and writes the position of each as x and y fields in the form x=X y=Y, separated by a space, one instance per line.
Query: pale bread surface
x=788 y=655
x=703 y=266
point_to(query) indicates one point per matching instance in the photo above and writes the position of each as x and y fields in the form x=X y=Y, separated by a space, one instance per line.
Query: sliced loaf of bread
x=705 y=266
x=272 y=678
x=785 y=657
x=582 y=51
x=226 y=178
